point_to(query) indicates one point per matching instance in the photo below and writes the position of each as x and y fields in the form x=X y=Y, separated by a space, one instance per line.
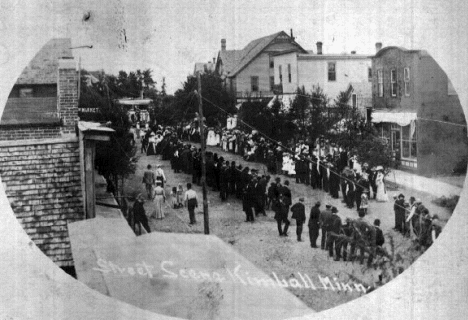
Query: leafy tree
x=115 y=160
x=186 y=101
x=319 y=120
x=299 y=111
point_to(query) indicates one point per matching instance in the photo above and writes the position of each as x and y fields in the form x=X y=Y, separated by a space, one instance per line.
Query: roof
x=43 y=67
x=30 y=111
x=338 y=56
x=230 y=58
x=134 y=102
x=383 y=50
x=236 y=60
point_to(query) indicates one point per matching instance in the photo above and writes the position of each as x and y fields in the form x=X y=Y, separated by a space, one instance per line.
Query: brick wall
x=43 y=184
x=68 y=95
x=28 y=133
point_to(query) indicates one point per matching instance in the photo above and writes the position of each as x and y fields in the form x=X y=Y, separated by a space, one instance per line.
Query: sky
x=169 y=37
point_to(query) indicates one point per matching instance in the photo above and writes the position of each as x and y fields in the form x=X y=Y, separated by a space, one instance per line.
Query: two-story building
x=331 y=72
x=417 y=111
x=249 y=73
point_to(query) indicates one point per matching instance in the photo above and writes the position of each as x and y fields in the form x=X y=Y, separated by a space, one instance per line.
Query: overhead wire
x=293 y=152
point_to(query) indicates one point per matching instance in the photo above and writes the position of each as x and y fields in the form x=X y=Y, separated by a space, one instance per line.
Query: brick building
x=39 y=150
x=417 y=111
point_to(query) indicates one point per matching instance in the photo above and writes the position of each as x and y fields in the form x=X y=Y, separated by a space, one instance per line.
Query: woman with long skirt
x=159 y=199
x=382 y=195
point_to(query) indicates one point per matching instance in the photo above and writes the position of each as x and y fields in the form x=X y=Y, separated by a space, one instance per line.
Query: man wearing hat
x=314 y=224
x=298 y=213
x=334 y=230
x=324 y=220
x=400 y=209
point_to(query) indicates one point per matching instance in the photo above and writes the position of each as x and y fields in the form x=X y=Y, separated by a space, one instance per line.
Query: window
x=385 y=133
x=289 y=73
x=280 y=74
x=354 y=100
x=407 y=81
x=393 y=82
x=254 y=84
x=380 y=81
x=332 y=71
x=272 y=63
x=25 y=92
x=272 y=83
x=369 y=74
x=408 y=141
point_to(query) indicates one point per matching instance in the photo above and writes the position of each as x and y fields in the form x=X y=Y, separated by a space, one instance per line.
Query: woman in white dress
x=211 y=138
x=382 y=195
x=159 y=199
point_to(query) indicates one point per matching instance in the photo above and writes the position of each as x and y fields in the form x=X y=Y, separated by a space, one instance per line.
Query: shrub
x=449 y=203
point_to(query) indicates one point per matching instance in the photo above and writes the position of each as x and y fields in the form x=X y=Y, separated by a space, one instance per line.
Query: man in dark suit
x=334 y=229
x=286 y=193
x=314 y=224
x=298 y=213
x=324 y=220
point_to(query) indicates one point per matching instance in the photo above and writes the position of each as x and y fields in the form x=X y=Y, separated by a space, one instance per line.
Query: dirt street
x=259 y=241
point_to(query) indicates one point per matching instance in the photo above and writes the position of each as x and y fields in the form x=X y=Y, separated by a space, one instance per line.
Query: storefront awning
x=400 y=118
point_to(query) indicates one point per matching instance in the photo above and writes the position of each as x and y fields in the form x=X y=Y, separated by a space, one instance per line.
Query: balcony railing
x=254 y=94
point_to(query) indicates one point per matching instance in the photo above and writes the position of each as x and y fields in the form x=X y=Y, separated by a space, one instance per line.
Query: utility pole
x=206 y=223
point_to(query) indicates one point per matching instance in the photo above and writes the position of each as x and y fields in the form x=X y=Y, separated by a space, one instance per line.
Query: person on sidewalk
x=298 y=213
x=139 y=213
x=324 y=218
x=314 y=224
x=149 y=179
x=191 y=202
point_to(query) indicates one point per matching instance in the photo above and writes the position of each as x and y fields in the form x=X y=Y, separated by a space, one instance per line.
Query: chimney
x=378 y=46
x=319 y=47
x=223 y=44
x=67 y=89
x=292 y=37
x=214 y=60
x=353 y=52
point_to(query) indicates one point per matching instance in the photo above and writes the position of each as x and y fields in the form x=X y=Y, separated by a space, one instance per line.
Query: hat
x=301 y=199
x=379 y=168
x=158 y=166
x=401 y=195
x=158 y=182
x=328 y=205
x=334 y=210
x=318 y=203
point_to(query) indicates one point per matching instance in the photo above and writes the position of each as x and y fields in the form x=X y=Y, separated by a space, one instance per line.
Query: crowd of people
x=330 y=169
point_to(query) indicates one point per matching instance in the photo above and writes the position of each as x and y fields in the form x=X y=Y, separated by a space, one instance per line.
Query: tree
x=299 y=111
x=217 y=104
x=319 y=120
x=115 y=160
x=353 y=134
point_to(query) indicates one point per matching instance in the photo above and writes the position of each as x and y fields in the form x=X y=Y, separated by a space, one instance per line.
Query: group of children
x=177 y=200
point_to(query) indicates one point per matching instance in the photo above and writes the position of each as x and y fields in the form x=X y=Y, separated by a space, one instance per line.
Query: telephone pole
x=206 y=223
